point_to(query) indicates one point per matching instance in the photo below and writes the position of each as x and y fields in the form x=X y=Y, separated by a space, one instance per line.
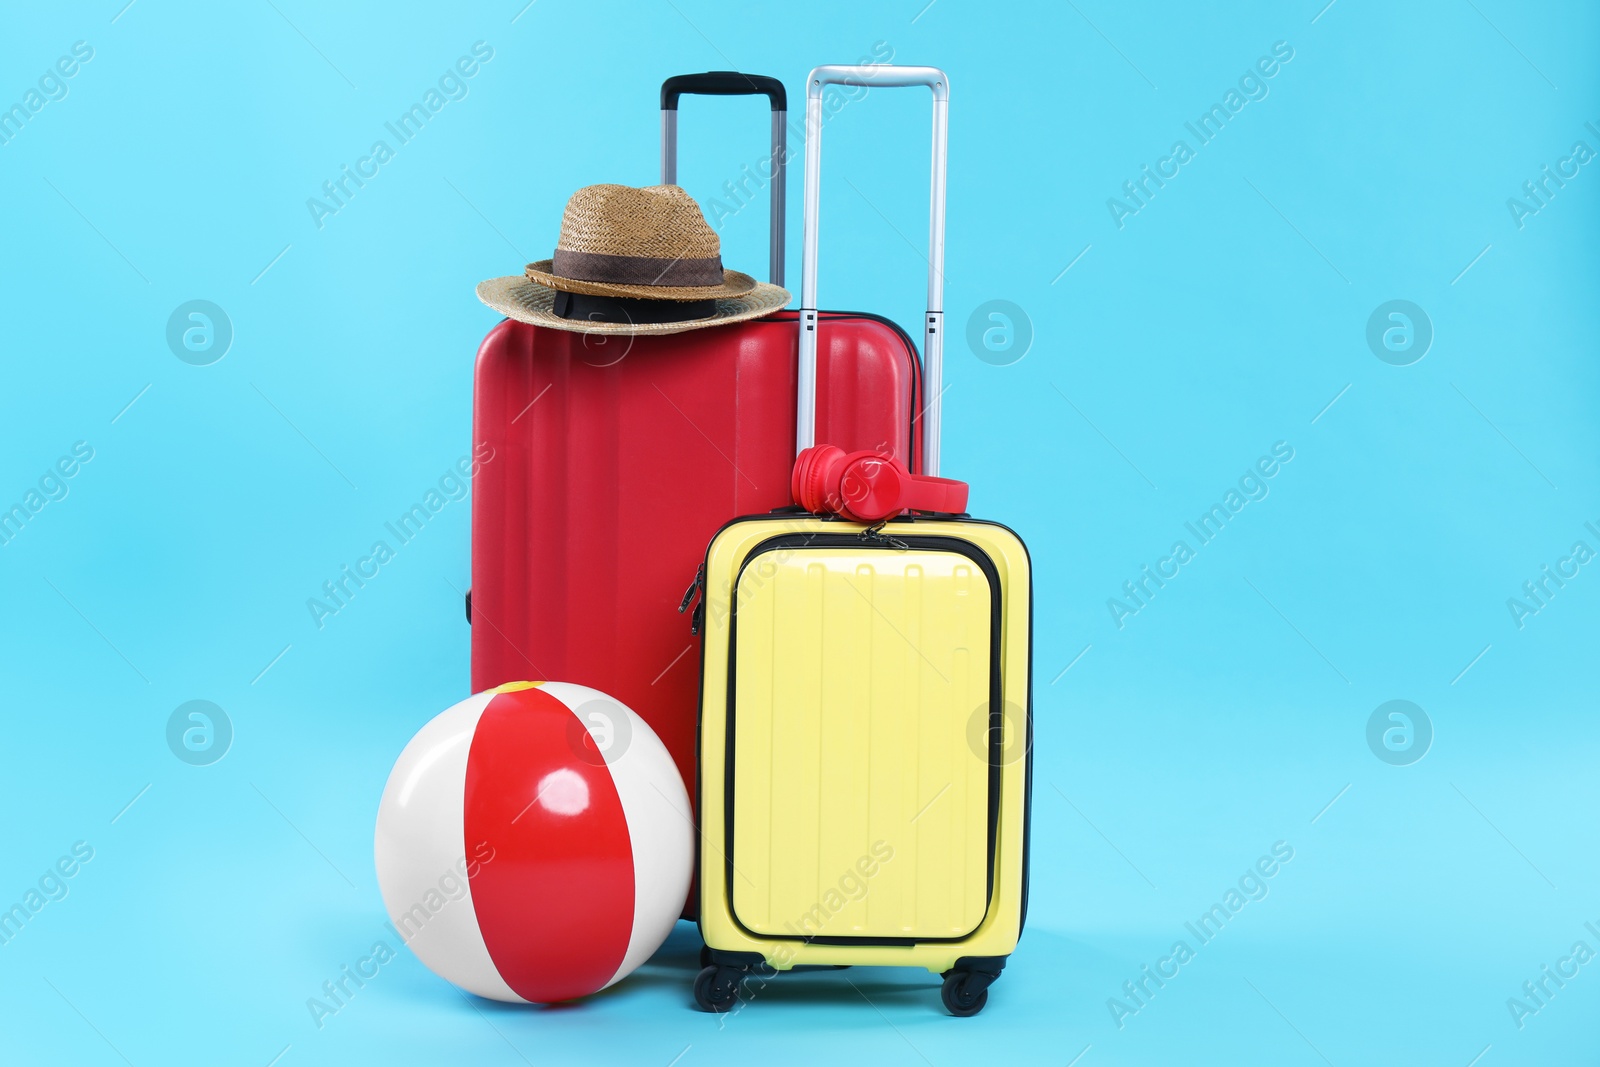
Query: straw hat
x=632 y=261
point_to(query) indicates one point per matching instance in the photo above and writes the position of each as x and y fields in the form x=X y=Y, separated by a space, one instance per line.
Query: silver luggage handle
x=878 y=76
x=732 y=83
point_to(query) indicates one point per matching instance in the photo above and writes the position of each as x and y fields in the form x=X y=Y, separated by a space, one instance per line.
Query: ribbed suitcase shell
x=863 y=741
x=609 y=475
x=857 y=674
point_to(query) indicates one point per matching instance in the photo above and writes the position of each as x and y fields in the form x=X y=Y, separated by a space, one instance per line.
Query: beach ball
x=534 y=843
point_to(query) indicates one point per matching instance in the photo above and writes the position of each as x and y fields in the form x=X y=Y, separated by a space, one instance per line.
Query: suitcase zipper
x=698 y=616
x=874 y=535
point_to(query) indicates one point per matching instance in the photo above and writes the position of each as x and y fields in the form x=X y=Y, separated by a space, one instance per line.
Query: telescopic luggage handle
x=732 y=83
x=880 y=76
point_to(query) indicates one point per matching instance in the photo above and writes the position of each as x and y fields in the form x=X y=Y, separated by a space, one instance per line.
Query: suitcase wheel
x=716 y=989
x=965 y=992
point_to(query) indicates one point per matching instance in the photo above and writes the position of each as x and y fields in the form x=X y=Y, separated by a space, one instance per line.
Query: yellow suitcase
x=864 y=720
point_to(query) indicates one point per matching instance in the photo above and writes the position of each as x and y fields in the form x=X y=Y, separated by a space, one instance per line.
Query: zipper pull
x=698 y=616
x=694 y=587
x=874 y=535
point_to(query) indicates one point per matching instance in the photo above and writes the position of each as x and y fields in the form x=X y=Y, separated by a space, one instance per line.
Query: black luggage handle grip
x=733 y=83
x=723 y=83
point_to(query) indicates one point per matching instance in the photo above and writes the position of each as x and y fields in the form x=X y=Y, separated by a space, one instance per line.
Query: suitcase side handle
x=733 y=83
x=875 y=76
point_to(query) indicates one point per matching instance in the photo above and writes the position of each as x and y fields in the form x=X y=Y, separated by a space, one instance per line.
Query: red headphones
x=869 y=486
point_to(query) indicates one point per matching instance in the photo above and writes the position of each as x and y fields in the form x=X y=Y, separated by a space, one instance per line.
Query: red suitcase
x=608 y=473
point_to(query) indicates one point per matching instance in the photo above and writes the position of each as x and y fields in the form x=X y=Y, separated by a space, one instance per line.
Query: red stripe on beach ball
x=556 y=904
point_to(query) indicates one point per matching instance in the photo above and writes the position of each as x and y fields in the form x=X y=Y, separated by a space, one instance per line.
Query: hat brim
x=526 y=300
x=734 y=283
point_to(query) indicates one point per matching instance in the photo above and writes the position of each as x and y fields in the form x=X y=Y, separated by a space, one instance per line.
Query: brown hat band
x=630 y=310
x=636 y=270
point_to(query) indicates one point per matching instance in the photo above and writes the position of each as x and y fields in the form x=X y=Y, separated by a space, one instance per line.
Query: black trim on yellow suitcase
x=996 y=707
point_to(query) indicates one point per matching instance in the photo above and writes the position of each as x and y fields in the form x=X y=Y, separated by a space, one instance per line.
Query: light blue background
x=1224 y=317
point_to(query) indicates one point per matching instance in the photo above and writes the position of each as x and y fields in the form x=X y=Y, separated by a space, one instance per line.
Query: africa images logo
x=52 y=87
x=1252 y=86
x=454 y=484
x=1253 y=885
x=451 y=85
x=1139 y=592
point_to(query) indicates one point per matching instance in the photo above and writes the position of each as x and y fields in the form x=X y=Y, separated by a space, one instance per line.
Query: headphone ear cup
x=871 y=487
x=809 y=483
x=799 y=476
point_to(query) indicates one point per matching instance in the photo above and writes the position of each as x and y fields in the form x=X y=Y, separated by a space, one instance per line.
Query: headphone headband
x=869 y=486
